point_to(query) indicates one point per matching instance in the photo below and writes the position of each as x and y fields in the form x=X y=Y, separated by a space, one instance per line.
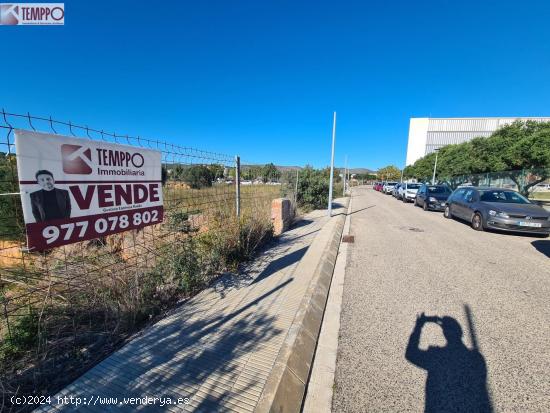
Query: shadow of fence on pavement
x=174 y=358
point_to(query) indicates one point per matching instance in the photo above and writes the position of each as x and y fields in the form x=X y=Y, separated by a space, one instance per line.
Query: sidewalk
x=218 y=349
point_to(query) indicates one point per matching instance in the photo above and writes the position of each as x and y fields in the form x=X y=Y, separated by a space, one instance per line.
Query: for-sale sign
x=75 y=189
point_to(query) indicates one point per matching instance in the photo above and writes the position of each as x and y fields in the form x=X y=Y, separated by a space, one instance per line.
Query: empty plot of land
x=216 y=351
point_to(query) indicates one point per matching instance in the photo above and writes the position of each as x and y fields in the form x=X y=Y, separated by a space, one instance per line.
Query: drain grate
x=348 y=238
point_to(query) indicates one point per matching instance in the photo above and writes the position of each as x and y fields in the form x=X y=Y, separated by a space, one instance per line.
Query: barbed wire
x=164 y=147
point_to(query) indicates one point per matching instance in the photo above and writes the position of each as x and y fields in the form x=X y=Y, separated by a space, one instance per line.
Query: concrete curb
x=285 y=387
x=320 y=387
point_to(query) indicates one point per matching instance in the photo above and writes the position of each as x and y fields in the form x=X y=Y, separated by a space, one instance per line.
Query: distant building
x=427 y=134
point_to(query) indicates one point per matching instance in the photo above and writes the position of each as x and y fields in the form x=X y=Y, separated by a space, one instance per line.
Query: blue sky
x=261 y=78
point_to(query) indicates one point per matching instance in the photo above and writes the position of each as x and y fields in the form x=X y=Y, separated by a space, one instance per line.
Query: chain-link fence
x=64 y=309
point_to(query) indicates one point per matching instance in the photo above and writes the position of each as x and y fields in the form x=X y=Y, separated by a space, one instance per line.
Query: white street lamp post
x=435 y=165
x=331 y=166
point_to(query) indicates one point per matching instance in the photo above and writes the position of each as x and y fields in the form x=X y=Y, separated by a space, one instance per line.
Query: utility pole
x=435 y=165
x=331 y=166
x=402 y=174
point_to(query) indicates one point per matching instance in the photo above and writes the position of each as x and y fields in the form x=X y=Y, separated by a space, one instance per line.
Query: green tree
x=198 y=176
x=249 y=173
x=313 y=188
x=389 y=173
x=508 y=152
x=11 y=213
x=270 y=173
x=163 y=174
x=176 y=173
x=217 y=170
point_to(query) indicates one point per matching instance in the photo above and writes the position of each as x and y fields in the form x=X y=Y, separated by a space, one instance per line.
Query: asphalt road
x=406 y=261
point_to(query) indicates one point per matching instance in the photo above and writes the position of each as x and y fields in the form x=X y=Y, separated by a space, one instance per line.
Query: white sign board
x=74 y=189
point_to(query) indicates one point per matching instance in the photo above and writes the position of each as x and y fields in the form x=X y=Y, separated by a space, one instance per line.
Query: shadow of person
x=457 y=376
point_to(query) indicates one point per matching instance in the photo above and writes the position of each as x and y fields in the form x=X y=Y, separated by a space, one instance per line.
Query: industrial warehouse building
x=427 y=134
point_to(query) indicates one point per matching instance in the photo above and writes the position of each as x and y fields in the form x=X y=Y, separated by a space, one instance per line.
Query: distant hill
x=361 y=171
x=284 y=168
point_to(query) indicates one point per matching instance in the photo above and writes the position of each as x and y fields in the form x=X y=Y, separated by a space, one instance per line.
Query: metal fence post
x=238 y=185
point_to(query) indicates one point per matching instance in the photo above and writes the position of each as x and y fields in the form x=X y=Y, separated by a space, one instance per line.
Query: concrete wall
x=418 y=133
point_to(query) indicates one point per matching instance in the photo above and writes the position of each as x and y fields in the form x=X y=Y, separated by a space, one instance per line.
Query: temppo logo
x=9 y=14
x=32 y=14
x=76 y=159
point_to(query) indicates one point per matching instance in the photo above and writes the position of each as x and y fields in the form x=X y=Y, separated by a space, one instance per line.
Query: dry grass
x=73 y=305
x=540 y=195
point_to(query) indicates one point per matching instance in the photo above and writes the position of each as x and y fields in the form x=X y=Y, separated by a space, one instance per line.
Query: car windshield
x=509 y=197
x=413 y=186
x=391 y=183
x=438 y=190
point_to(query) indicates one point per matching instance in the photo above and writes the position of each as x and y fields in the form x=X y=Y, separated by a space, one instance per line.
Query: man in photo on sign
x=49 y=202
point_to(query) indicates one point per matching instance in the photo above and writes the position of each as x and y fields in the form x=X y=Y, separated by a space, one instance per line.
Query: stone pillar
x=281 y=215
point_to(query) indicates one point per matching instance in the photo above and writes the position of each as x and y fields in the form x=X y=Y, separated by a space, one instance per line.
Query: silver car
x=497 y=208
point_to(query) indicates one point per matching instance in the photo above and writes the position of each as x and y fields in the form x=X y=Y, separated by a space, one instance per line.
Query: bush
x=11 y=213
x=23 y=336
x=198 y=176
x=313 y=188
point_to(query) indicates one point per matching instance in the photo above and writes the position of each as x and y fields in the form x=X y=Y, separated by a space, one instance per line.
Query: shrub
x=11 y=213
x=198 y=176
x=313 y=188
x=22 y=337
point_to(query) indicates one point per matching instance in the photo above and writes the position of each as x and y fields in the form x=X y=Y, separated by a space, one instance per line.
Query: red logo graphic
x=76 y=159
x=9 y=14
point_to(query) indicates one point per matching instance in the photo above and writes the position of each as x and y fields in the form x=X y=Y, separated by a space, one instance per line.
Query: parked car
x=407 y=191
x=377 y=186
x=497 y=208
x=388 y=187
x=432 y=197
x=395 y=190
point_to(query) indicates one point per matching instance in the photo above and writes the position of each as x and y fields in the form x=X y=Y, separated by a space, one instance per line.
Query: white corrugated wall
x=446 y=131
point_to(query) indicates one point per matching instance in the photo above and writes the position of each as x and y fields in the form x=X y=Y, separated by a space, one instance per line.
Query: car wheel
x=477 y=222
x=425 y=206
x=447 y=213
